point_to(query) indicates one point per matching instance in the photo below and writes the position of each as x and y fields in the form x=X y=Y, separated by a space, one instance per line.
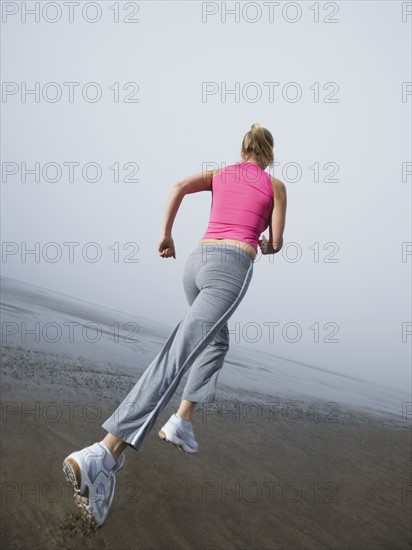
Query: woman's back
x=242 y=200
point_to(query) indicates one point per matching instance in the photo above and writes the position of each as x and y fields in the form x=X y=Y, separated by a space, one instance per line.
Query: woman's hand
x=166 y=247
x=265 y=246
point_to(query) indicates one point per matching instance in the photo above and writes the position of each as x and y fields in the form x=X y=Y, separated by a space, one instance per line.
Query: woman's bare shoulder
x=214 y=172
x=277 y=184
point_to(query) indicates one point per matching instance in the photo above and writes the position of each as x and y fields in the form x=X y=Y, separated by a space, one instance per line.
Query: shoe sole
x=163 y=436
x=72 y=473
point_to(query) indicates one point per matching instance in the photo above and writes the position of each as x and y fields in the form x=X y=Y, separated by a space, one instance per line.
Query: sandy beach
x=272 y=472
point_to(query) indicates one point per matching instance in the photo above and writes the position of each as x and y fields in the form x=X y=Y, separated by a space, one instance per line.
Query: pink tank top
x=242 y=199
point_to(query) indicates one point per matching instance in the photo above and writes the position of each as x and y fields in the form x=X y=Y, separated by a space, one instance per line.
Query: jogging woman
x=245 y=201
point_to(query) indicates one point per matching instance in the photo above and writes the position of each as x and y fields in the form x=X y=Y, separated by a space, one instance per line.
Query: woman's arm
x=193 y=184
x=277 y=220
x=173 y=203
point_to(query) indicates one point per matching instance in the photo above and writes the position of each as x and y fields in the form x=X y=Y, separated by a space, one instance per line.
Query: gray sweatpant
x=216 y=277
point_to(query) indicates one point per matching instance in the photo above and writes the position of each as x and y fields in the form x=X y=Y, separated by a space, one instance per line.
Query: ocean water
x=36 y=318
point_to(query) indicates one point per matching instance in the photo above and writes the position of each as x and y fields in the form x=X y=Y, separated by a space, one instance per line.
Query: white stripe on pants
x=216 y=278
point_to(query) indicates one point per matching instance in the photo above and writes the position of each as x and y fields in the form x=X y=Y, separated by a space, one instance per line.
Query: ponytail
x=258 y=141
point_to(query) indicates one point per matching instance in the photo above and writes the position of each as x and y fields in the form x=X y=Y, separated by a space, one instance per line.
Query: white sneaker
x=179 y=432
x=91 y=472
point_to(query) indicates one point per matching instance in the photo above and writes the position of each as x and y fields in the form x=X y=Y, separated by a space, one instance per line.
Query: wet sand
x=264 y=478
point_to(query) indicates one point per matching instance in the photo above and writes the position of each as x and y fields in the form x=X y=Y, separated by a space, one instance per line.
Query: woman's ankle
x=186 y=410
x=115 y=445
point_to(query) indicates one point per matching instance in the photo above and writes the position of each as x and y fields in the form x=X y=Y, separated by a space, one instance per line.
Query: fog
x=336 y=97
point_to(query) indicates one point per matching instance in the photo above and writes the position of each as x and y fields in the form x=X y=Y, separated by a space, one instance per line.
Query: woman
x=245 y=201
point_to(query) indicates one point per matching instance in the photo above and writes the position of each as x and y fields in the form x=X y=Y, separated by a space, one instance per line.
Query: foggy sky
x=361 y=139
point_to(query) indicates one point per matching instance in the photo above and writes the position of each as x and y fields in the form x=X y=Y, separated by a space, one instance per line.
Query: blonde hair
x=258 y=141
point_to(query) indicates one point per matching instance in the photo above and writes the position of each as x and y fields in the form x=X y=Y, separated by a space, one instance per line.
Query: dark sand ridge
x=269 y=483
